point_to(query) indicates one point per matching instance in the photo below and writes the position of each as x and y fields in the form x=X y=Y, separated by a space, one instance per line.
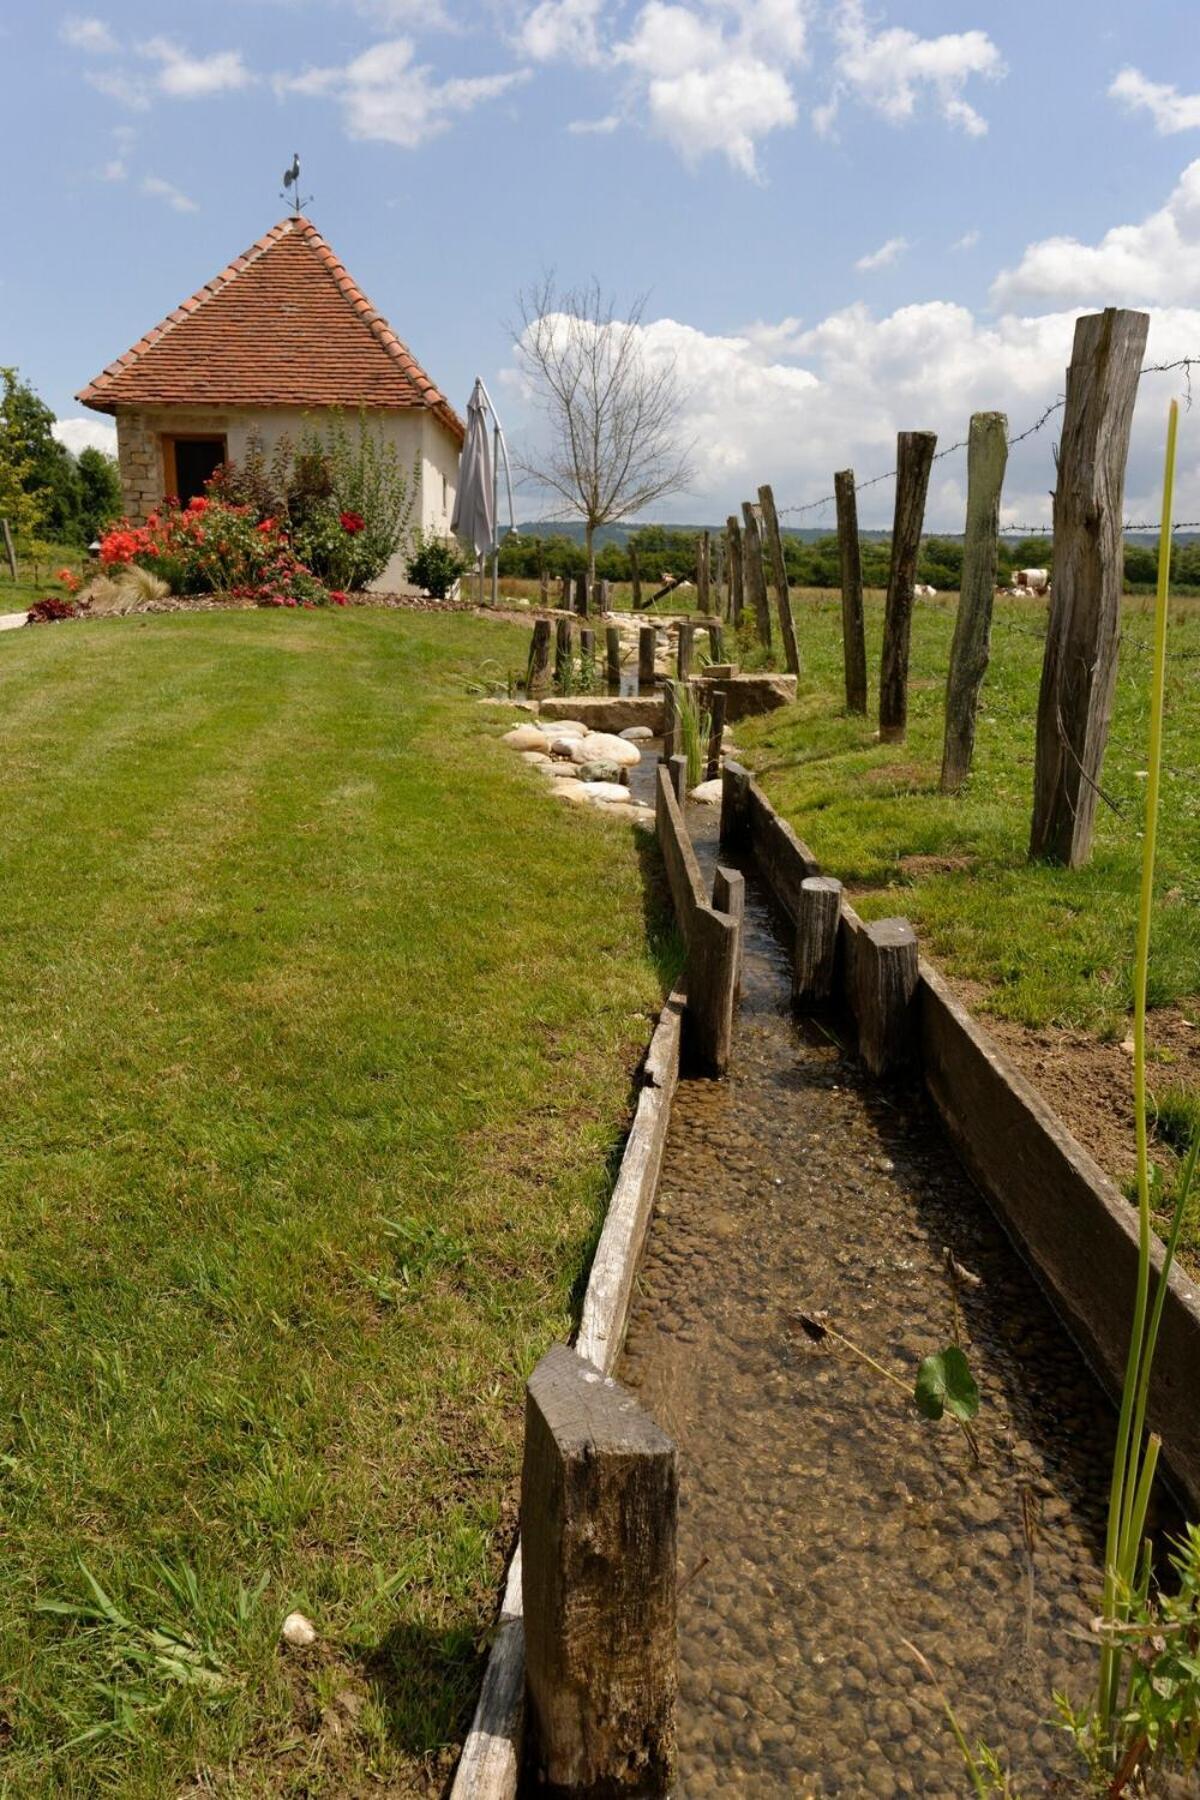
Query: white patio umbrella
x=476 y=509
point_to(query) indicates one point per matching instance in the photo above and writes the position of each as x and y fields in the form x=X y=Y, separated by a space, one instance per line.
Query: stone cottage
x=281 y=334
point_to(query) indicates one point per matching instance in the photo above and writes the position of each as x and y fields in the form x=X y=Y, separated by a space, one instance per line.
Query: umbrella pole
x=495 y=510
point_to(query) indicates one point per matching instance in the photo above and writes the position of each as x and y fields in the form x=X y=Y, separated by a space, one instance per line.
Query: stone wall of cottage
x=423 y=445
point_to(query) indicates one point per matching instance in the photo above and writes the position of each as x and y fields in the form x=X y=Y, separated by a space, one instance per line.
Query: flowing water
x=822 y=1520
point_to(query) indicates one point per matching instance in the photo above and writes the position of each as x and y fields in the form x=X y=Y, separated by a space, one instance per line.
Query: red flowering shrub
x=44 y=612
x=69 y=580
x=212 y=547
x=352 y=522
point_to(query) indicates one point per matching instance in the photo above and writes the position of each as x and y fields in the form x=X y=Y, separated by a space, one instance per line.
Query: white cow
x=923 y=589
x=1037 y=581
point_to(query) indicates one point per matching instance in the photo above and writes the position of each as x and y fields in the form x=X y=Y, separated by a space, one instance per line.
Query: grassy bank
x=316 y=1040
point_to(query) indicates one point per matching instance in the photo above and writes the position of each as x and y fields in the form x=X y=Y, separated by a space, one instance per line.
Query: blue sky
x=849 y=219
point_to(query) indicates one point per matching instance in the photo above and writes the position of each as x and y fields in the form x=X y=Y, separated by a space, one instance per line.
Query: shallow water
x=822 y=1521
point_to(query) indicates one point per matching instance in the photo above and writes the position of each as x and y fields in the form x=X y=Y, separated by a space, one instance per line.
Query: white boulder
x=526 y=737
x=708 y=793
x=537 y=759
x=606 y=793
x=636 y=734
x=298 y=1631
x=602 y=746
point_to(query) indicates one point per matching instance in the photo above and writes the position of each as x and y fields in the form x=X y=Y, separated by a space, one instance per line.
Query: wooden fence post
x=565 y=590
x=703 y=591
x=716 y=731
x=581 y=595
x=883 y=983
x=716 y=642
x=635 y=579
x=599 y=1500
x=854 y=643
x=587 y=653
x=543 y=586
x=686 y=644
x=735 y=807
x=562 y=655
x=677 y=764
x=987 y=453
x=719 y=574
x=817 y=928
x=647 y=637
x=612 y=655
x=737 y=592
x=539 y=657
x=783 y=599
x=729 y=896
x=754 y=577
x=914 y=458
x=670 y=722
x=1080 y=668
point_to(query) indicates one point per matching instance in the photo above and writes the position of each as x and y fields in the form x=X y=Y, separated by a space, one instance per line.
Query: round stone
x=636 y=734
x=526 y=737
x=707 y=794
x=602 y=746
x=606 y=793
x=537 y=759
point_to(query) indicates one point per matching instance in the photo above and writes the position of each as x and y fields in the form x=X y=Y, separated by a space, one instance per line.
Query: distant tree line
x=815 y=564
x=46 y=493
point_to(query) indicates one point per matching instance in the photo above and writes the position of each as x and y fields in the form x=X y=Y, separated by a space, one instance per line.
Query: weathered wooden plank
x=987 y=454
x=854 y=643
x=733 y=540
x=883 y=984
x=599 y=1497
x=488 y=1768
x=712 y=938
x=647 y=639
x=671 y=728
x=562 y=653
x=1079 y=670
x=729 y=896
x=716 y=731
x=703 y=588
x=538 y=668
x=914 y=459
x=685 y=649
x=612 y=655
x=754 y=577
x=783 y=598
x=678 y=767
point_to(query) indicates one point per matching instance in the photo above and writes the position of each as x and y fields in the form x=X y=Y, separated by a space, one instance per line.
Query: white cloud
x=967 y=241
x=92 y=36
x=155 y=188
x=184 y=77
x=893 y=71
x=117 y=166
x=595 y=127
x=562 y=29
x=86 y=434
x=1156 y=262
x=1170 y=110
x=387 y=96
x=887 y=253
x=126 y=90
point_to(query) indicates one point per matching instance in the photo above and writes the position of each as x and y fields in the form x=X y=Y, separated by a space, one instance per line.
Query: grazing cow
x=1036 y=580
x=923 y=589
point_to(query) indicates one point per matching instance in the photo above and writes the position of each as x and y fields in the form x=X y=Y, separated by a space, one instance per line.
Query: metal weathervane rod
x=291 y=181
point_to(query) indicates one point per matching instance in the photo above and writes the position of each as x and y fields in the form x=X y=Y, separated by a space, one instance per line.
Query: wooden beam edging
x=490 y=1763
x=713 y=938
x=1066 y=1219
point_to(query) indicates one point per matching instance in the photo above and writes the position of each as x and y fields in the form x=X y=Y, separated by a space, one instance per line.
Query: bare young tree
x=612 y=446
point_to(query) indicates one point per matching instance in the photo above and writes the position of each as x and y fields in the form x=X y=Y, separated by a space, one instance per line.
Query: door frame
x=170 y=468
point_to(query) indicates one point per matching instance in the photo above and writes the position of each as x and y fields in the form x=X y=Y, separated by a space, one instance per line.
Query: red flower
x=197 y=504
x=69 y=580
x=338 y=598
x=352 y=522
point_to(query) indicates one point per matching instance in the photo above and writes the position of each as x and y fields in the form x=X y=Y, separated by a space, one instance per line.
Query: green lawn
x=37 y=581
x=1051 y=946
x=319 y=1020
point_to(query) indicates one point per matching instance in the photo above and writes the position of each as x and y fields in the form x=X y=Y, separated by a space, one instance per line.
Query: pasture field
x=318 y=1028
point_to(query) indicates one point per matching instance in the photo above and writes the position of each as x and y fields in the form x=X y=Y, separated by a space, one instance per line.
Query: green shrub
x=436 y=564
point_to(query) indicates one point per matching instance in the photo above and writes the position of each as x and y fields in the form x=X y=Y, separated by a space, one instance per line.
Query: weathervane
x=291 y=179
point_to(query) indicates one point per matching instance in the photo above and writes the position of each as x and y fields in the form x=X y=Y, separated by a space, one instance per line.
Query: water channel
x=822 y=1520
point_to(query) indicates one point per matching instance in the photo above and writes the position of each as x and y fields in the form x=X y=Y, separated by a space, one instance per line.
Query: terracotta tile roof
x=283 y=325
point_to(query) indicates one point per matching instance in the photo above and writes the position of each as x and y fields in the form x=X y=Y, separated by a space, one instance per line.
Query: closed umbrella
x=474 y=520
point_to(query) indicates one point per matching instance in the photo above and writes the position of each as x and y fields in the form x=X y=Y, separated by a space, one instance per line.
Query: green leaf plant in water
x=945 y=1384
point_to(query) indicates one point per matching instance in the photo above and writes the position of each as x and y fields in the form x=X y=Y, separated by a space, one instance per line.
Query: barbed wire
x=1186 y=363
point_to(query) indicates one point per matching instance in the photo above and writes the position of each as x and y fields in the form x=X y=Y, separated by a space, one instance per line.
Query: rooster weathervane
x=291 y=186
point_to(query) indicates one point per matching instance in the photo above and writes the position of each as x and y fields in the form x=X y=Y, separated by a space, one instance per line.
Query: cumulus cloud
x=788 y=403
x=967 y=241
x=887 y=253
x=155 y=188
x=92 y=36
x=86 y=434
x=185 y=77
x=1154 y=262
x=1170 y=110
x=385 y=94
x=563 y=29
x=898 y=74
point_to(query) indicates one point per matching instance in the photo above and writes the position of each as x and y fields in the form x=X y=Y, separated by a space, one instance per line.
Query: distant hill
x=806 y=534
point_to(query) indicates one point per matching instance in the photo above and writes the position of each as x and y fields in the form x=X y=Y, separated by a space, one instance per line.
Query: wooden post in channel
x=818 y=924
x=543 y=585
x=1079 y=671
x=883 y=984
x=587 y=656
x=783 y=599
x=647 y=638
x=564 y=595
x=677 y=765
x=987 y=453
x=703 y=587
x=914 y=458
x=716 y=642
x=733 y=540
x=612 y=655
x=718 y=575
x=670 y=742
x=562 y=655
x=754 y=577
x=581 y=595
x=716 y=732
x=729 y=896
x=854 y=643
x=599 y=1501
x=635 y=579
x=686 y=645
x=539 y=657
